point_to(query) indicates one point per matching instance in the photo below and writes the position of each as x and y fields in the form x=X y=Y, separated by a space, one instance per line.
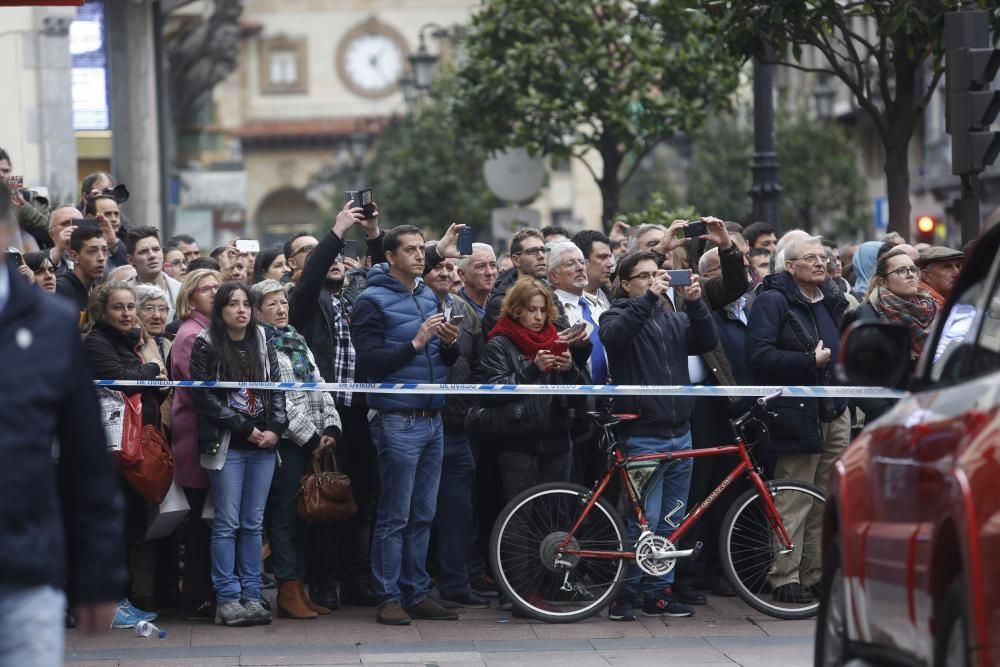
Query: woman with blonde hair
x=194 y=307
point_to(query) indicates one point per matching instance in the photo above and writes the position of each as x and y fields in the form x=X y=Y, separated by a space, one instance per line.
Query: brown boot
x=290 y=602
x=318 y=608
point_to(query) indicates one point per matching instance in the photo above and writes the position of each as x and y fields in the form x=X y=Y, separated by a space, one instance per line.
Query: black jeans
x=521 y=470
x=286 y=529
x=341 y=552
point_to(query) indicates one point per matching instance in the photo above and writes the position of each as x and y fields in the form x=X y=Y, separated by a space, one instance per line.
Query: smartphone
x=465 y=241
x=576 y=328
x=247 y=245
x=16 y=254
x=679 y=277
x=557 y=347
x=363 y=199
x=457 y=320
x=350 y=249
x=695 y=228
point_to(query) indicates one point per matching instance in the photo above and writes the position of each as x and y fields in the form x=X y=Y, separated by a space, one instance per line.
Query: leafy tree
x=564 y=77
x=888 y=53
x=719 y=176
x=429 y=176
x=654 y=177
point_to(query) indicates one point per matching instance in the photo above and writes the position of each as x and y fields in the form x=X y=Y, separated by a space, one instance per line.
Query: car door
x=912 y=457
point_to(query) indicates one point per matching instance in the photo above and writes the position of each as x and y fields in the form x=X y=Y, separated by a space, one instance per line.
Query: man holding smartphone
x=646 y=345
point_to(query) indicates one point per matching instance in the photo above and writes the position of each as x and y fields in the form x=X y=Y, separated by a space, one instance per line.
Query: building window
x=283 y=66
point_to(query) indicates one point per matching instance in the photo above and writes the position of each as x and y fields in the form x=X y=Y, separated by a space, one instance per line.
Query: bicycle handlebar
x=764 y=400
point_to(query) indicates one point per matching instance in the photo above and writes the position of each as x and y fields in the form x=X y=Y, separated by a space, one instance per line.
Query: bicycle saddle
x=608 y=419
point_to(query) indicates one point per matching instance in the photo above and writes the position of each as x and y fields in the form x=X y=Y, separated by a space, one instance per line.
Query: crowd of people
x=430 y=473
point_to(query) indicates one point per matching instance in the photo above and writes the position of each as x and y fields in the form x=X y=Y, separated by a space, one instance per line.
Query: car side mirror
x=875 y=354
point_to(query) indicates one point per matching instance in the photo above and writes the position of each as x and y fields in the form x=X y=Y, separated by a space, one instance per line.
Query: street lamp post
x=766 y=190
x=824 y=95
x=423 y=63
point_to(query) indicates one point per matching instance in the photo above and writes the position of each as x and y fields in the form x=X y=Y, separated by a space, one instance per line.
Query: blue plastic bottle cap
x=163 y=634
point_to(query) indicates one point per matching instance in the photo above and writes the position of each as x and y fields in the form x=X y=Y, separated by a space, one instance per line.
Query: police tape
x=528 y=389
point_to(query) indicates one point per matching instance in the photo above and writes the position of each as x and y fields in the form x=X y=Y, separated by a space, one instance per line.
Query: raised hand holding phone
x=448 y=245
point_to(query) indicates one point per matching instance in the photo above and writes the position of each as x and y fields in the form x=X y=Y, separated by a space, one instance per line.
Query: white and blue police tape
x=555 y=389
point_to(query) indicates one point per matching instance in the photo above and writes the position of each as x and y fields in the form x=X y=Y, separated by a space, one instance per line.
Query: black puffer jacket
x=781 y=350
x=504 y=363
x=215 y=415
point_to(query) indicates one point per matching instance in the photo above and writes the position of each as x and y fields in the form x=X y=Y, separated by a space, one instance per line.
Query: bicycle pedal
x=696 y=550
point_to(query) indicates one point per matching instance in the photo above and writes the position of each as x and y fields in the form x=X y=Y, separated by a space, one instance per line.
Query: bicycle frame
x=745 y=466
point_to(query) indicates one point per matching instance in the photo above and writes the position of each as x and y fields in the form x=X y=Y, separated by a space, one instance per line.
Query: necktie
x=598 y=361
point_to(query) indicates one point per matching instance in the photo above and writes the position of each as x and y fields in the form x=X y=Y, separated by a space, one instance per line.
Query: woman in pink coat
x=194 y=306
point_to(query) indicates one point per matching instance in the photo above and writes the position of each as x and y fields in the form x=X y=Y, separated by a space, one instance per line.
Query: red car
x=912 y=530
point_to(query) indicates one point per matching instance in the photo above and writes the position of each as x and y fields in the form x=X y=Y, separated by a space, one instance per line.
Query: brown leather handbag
x=152 y=475
x=324 y=493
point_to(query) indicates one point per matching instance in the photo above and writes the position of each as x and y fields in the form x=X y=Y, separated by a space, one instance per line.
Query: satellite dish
x=513 y=175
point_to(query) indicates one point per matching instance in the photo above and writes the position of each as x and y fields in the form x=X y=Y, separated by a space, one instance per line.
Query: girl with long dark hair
x=237 y=433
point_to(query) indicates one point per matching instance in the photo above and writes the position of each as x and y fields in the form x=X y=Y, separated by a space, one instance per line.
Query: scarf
x=527 y=341
x=287 y=341
x=916 y=312
x=864 y=265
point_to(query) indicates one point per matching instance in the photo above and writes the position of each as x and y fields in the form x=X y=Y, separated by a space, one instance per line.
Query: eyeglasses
x=149 y=310
x=904 y=271
x=208 y=289
x=305 y=248
x=645 y=275
x=811 y=259
x=541 y=250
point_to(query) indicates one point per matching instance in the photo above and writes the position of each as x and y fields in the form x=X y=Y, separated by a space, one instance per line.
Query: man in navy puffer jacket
x=400 y=336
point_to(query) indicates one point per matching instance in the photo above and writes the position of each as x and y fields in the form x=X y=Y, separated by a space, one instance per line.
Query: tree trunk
x=897 y=186
x=901 y=120
x=609 y=184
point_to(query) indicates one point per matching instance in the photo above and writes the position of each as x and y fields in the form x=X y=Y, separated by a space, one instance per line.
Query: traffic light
x=926 y=227
x=971 y=106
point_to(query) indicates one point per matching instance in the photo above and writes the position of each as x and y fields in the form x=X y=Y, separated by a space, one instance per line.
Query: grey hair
x=462 y=263
x=259 y=290
x=704 y=259
x=792 y=249
x=633 y=242
x=556 y=252
x=144 y=293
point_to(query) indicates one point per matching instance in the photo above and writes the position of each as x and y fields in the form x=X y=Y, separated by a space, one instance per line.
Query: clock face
x=373 y=64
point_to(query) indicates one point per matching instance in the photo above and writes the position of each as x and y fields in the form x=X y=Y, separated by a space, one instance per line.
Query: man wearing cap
x=939 y=269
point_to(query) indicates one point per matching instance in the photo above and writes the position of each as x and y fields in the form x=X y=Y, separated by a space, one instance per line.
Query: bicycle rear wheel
x=752 y=554
x=530 y=570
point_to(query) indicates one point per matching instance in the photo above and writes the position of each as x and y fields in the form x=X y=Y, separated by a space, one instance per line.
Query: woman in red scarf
x=530 y=434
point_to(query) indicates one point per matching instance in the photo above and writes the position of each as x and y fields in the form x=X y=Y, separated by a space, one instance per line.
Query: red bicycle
x=560 y=550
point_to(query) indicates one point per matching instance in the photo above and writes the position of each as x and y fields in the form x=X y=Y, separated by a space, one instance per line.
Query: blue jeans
x=409 y=451
x=31 y=626
x=454 y=525
x=239 y=492
x=669 y=486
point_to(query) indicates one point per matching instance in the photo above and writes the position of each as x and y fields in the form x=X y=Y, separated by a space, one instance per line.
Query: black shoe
x=688 y=595
x=723 y=589
x=70 y=620
x=325 y=595
x=358 y=595
x=201 y=611
x=429 y=610
x=815 y=590
x=467 y=600
x=486 y=586
x=792 y=593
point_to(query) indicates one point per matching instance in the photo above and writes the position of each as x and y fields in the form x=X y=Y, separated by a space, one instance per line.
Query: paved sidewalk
x=724 y=632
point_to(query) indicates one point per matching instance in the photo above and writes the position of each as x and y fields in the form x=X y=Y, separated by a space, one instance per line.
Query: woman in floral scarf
x=894 y=295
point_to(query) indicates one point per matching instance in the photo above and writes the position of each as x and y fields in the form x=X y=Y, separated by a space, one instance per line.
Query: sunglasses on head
x=119 y=193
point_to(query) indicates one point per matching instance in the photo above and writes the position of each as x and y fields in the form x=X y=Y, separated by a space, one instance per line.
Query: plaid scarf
x=916 y=312
x=287 y=341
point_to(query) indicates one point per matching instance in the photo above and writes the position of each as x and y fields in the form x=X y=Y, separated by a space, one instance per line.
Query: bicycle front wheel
x=540 y=579
x=753 y=557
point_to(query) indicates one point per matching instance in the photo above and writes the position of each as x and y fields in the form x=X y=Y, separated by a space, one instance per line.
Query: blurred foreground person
x=60 y=524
